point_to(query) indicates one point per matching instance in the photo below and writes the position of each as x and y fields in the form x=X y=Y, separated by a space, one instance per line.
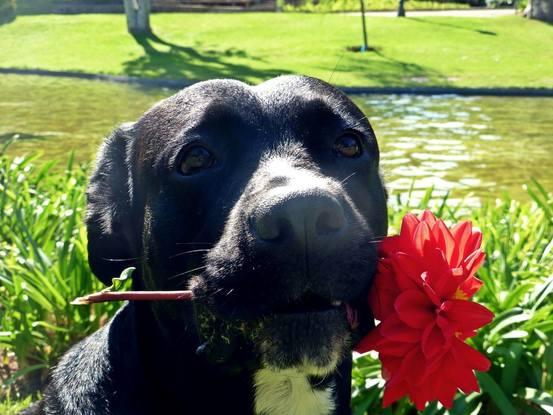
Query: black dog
x=267 y=202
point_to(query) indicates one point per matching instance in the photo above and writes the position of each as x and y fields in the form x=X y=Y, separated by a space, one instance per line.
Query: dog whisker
x=347 y=178
x=194 y=251
x=194 y=243
x=187 y=272
x=121 y=259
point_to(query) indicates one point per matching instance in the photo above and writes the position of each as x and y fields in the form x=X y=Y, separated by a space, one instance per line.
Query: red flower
x=421 y=295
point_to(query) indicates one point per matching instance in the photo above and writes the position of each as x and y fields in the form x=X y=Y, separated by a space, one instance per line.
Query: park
x=460 y=97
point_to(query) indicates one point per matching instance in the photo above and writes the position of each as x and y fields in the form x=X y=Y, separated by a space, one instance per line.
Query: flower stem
x=104 y=296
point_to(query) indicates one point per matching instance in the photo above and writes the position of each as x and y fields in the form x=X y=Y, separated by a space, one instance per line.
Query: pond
x=470 y=145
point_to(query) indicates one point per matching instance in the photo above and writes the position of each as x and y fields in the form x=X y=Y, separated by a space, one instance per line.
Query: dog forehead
x=286 y=95
x=276 y=109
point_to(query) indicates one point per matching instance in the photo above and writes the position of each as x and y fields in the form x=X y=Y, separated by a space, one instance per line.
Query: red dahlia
x=421 y=296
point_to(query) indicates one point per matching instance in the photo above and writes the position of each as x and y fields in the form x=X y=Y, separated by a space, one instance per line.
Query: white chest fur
x=288 y=392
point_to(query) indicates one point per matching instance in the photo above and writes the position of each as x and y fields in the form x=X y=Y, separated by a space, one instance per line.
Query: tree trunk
x=541 y=10
x=138 y=16
x=365 y=46
x=401 y=8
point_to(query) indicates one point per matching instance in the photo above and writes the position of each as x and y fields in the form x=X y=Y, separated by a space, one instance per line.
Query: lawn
x=446 y=51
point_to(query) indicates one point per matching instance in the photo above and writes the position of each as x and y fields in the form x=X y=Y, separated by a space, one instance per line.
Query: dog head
x=267 y=201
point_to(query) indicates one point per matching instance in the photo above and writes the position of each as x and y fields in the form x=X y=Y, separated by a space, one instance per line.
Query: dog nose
x=305 y=217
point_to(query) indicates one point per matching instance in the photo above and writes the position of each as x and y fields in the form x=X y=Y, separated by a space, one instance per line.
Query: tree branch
x=104 y=296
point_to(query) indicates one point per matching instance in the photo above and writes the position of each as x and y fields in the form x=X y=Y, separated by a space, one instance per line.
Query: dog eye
x=348 y=145
x=195 y=159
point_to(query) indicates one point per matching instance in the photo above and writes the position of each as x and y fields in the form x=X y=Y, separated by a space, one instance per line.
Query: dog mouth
x=307 y=303
x=312 y=305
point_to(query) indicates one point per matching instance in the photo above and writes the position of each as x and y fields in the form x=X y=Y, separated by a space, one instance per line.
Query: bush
x=7 y=11
x=353 y=5
x=43 y=265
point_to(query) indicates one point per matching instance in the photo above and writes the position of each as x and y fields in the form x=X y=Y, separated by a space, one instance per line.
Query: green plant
x=518 y=277
x=43 y=265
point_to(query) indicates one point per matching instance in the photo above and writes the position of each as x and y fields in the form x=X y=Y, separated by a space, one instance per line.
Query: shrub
x=353 y=5
x=7 y=11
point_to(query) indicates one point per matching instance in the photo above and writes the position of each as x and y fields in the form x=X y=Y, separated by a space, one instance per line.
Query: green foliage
x=7 y=11
x=323 y=6
x=44 y=266
x=518 y=288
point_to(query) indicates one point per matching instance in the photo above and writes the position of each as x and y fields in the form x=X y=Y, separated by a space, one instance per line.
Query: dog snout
x=311 y=218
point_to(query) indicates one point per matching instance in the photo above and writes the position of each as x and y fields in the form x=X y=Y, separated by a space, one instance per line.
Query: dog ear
x=109 y=208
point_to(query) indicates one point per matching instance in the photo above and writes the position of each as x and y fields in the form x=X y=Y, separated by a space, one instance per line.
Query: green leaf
x=541 y=398
x=491 y=388
x=541 y=292
x=120 y=283
x=509 y=373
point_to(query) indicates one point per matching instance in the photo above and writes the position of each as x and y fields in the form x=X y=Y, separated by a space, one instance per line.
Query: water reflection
x=482 y=145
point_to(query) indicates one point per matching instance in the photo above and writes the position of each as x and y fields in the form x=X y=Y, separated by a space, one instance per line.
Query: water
x=477 y=145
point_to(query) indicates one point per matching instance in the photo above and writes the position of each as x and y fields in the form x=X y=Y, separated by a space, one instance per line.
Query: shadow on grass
x=381 y=70
x=176 y=61
x=454 y=26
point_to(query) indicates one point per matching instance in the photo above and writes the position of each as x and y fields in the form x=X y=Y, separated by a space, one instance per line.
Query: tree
x=401 y=8
x=138 y=16
x=365 y=46
x=540 y=9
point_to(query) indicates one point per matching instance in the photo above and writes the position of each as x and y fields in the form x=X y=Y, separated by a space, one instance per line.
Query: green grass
x=492 y=52
x=44 y=265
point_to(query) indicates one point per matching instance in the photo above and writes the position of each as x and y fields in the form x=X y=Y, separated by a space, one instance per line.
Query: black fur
x=280 y=225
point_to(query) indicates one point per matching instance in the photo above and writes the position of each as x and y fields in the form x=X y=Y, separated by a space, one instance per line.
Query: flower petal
x=388 y=246
x=394 y=329
x=413 y=367
x=433 y=341
x=471 y=358
x=421 y=237
x=439 y=274
x=407 y=271
x=444 y=239
x=393 y=393
x=428 y=217
x=414 y=309
x=383 y=292
x=473 y=262
x=466 y=315
x=408 y=226
x=461 y=233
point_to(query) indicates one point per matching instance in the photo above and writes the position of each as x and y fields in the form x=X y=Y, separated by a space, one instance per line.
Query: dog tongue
x=352 y=316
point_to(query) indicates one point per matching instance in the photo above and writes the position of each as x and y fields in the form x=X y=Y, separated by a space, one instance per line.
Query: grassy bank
x=500 y=52
x=44 y=265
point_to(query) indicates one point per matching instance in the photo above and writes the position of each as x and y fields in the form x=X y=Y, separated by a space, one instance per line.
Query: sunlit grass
x=484 y=52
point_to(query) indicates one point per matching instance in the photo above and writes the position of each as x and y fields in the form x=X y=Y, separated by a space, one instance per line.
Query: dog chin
x=311 y=343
